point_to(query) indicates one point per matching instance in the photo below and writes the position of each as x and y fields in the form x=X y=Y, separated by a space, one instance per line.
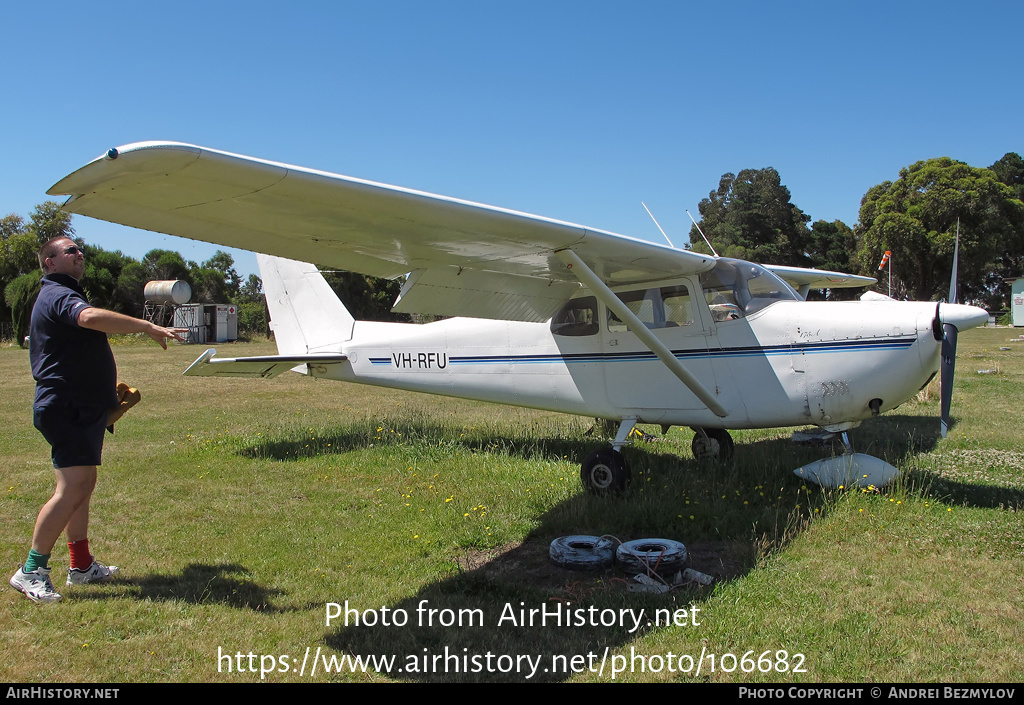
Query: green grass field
x=239 y=509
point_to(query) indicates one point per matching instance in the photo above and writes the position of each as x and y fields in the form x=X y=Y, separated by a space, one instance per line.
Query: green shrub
x=21 y=295
x=252 y=320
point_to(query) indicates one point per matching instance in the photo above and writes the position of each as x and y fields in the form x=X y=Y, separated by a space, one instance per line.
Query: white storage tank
x=173 y=291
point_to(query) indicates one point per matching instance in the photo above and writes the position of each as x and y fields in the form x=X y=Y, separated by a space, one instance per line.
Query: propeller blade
x=947 y=366
x=953 y=311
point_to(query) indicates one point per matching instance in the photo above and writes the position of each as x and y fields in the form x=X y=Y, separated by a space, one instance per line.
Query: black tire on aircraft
x=605 y=472
x=716 y=446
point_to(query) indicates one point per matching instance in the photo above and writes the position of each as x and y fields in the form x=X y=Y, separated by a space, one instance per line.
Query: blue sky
x=572 y=110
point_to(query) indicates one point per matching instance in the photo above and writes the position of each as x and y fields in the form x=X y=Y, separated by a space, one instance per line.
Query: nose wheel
x=712 y=444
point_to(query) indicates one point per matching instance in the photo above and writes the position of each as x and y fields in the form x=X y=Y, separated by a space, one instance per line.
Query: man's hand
x=162 y=335
x=115 y=323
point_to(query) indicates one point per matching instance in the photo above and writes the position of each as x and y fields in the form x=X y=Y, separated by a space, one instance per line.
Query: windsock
x=885 y=260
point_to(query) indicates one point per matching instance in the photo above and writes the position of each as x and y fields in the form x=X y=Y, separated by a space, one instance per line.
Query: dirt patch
x=528 y=563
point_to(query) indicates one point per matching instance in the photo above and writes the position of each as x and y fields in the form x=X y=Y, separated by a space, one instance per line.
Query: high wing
x=463 y=258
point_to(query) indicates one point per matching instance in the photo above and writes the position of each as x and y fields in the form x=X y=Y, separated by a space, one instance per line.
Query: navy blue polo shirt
x=71 y=364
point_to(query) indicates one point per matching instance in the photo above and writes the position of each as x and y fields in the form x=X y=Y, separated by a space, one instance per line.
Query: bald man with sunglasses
x=76 y=380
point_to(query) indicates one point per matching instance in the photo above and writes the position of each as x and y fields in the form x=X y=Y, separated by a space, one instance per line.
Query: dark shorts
x=75 y=433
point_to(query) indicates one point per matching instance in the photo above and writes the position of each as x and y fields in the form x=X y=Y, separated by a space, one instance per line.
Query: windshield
x=734 y=289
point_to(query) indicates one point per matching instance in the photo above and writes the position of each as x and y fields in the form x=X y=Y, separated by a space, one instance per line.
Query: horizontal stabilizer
x=260 y=366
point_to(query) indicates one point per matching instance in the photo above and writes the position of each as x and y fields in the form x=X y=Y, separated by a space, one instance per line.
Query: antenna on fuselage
x=703 y=235
x=658 y=224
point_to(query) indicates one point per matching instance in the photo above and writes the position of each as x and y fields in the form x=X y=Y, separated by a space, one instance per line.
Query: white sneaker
x=96 y=573
x=36 y=585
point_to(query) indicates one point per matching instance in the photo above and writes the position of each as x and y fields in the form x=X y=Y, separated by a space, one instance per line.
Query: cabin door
x=635 y=379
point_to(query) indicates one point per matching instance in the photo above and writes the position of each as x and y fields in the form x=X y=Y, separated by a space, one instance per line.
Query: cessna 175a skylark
x=548 y=314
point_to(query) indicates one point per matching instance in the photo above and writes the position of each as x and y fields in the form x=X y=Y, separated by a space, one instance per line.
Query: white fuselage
x=789 y=363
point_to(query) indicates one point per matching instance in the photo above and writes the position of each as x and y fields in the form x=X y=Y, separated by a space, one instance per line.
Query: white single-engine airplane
x=549 y=314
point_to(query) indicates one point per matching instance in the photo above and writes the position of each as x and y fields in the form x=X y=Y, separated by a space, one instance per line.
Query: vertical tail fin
x=305 y=313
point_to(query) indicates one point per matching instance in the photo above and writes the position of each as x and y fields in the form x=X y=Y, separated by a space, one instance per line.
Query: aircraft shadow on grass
x=968 y=494
x=894 y=437
x=491 y=589
x=476 y=626
x=490 y=582
x=452 y=642
x=404 y=432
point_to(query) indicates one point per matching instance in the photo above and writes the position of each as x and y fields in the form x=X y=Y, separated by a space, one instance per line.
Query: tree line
x=751 y=216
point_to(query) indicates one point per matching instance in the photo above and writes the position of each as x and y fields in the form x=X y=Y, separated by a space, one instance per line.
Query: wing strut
x=609 y=299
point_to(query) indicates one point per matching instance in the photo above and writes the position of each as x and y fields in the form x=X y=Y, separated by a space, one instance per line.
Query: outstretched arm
x=114 y=323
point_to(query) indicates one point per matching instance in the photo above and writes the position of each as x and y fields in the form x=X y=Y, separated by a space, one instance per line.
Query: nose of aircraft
x=962 y=316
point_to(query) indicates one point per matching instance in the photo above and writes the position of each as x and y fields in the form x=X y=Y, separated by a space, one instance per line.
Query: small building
x=207 y=323
x=1017 y=301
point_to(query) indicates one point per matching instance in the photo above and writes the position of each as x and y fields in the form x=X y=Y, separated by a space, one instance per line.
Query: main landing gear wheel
x=605 y=471
x=712 y=444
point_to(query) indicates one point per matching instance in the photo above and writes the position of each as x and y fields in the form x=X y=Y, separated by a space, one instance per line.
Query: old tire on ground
x=582 y=552
x=661 y=556
x=717 y=446
x=605 y=471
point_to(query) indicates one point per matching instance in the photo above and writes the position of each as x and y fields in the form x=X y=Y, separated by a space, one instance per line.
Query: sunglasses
x=73 y=250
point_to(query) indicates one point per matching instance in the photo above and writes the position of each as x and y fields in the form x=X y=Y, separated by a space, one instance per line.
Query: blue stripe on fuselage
x=835 y=346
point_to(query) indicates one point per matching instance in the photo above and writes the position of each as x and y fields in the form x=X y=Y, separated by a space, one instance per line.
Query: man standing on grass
x=76 y=382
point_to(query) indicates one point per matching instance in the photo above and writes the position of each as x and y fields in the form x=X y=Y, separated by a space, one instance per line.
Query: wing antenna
x=658 y=224
x=703 y=235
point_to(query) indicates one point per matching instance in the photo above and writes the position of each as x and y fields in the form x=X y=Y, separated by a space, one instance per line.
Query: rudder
x=305 y=313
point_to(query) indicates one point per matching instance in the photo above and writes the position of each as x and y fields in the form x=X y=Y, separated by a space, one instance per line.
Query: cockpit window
x=578 y=317
x=667 y=307
x=734 y=289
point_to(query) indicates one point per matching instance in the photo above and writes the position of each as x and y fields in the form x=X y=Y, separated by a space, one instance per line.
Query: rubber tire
x=641 y=556
x=605 y=472
x=717 y=446
x=582 y=552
